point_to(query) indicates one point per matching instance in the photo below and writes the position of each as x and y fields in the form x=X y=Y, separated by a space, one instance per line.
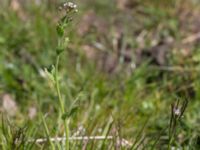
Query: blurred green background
x=127 y=61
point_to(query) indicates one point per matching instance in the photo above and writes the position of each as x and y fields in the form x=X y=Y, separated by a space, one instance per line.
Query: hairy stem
x=61 y=102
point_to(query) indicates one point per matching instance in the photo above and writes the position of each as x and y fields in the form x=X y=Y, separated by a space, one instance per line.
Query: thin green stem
x=58 y=85
x=169 y=144
x=66 y=121
x=47 y=133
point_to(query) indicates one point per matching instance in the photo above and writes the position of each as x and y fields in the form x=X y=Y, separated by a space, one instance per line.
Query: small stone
x=32 y=112
x=9 y=105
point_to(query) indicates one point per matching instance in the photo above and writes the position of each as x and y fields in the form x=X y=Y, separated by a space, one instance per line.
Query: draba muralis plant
x=68 y=9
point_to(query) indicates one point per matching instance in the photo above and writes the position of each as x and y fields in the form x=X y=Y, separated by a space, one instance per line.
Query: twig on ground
x=79 y=138
x=191 y=38
x=177 y=69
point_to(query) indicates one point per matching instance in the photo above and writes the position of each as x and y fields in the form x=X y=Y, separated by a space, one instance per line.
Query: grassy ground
x=127 y=72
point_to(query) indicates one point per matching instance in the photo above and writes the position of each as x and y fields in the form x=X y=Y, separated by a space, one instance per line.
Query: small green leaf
x=65 y=20
x=70 y=113
x=64 y=116
x=50 y=71
x=60 y=30
x=59 y=50
x=73 y=111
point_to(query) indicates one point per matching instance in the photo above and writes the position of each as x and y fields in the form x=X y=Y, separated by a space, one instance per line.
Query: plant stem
x=47 y=133
x=66 y=121
x=58 y=85
x=169 y=144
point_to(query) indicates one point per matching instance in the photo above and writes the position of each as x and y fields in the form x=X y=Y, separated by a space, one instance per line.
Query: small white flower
x=68 y=6
x=177 y=111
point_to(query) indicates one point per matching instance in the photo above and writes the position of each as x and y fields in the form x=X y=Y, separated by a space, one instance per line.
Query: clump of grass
x=12 y=137
x=177 y=111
